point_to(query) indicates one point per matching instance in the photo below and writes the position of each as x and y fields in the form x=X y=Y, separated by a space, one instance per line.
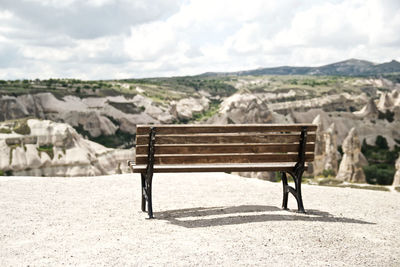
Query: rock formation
x=328 y=103
x=242 y=108
x=395 y=95
x=257 y=100
x=350 y=169
x=396 y=104
x=369 y=111
x=319 y=147
x=326 y=154
x=331 y=153
x=185 y=108
x=396 y=180
x=96 y=115
x=10 y=108
x=396 y=111
x=56 y=149
x=91 y=121
x=108 y=115
x=385 y=102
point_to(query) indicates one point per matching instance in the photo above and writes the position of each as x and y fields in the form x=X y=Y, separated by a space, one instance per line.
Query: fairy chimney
x=369 y=111
x=385 y=102
x=325 y=152
x=350 y=169
x=331 y=153
x=396 y=181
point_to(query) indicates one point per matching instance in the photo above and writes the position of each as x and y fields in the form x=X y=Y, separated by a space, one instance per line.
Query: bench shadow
x=196 y=217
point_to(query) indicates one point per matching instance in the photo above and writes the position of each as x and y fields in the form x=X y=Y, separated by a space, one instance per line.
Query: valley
x=338 y=97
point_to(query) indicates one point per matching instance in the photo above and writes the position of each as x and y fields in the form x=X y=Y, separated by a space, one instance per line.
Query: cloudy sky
x=104 y=39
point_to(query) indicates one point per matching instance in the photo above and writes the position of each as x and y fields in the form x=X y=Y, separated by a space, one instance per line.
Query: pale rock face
x=396 y=98
x=91 y=121
x=329 y=102
x=32 y=105
x=331 y=153
x=4 y=154
x=243 y=108
x=32 y=156
x=48 y=132
x=72 y=155
x=116 y=160
x=395 y=94
x=187 y=107
x=91 y=113
x=11 y=108
x=50 y=104
x=367 y=129
x=350 y=169
x=18 y=158
x=325 y=152
x=385 y=102
x=369 y=111
x=396 y=181
x=158 y=113
x=397 y=103
x=319 y=141
x=128 y=122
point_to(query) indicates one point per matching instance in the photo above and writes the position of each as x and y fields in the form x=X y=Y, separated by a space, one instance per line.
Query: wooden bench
x=224 y=148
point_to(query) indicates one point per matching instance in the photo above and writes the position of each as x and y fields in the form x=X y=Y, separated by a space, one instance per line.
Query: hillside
x=351 y=67
x=99 y=109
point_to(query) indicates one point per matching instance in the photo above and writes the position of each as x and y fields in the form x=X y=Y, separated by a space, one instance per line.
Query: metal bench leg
x=285 y=191
x=149 y=198
x=143 y=192
x=146 y=194
x=297 y=174
x=299 y=198
x=148 y=175
x=296 y=192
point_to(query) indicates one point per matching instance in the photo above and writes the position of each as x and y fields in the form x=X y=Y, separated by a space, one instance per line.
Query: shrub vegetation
x=381 y=159
x=47 y=149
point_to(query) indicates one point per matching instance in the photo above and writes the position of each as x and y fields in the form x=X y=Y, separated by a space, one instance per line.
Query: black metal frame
x=147 y=177
x=297 y=175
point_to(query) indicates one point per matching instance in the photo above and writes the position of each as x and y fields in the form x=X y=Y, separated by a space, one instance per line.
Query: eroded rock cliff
x=326 y=154
x=396 y=181
x=186 y=108
x=369 y=111
x=96 y=115
x=243 y=108
x=56 y=149
x=350 y=169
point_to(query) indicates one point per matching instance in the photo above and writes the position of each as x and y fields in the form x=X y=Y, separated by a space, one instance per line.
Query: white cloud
x=150 y=41
x=102 y=39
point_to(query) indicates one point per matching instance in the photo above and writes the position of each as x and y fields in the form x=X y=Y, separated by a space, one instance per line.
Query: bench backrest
x=225 y=144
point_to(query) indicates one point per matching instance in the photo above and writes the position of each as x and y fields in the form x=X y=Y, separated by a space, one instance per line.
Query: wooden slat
x=202 y=128
x=222 y=158
x=218 y=139
x=217 y=167
x=222 y=148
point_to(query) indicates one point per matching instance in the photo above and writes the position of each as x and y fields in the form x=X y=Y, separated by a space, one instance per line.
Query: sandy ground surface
x=201 y=219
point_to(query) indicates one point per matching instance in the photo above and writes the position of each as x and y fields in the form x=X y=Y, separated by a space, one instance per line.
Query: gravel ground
x=201 y=219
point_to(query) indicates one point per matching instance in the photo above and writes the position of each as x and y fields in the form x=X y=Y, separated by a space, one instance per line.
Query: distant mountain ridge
x=350 y=67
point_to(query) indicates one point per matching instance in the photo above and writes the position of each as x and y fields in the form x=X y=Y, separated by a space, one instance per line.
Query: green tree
x=381 y=142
